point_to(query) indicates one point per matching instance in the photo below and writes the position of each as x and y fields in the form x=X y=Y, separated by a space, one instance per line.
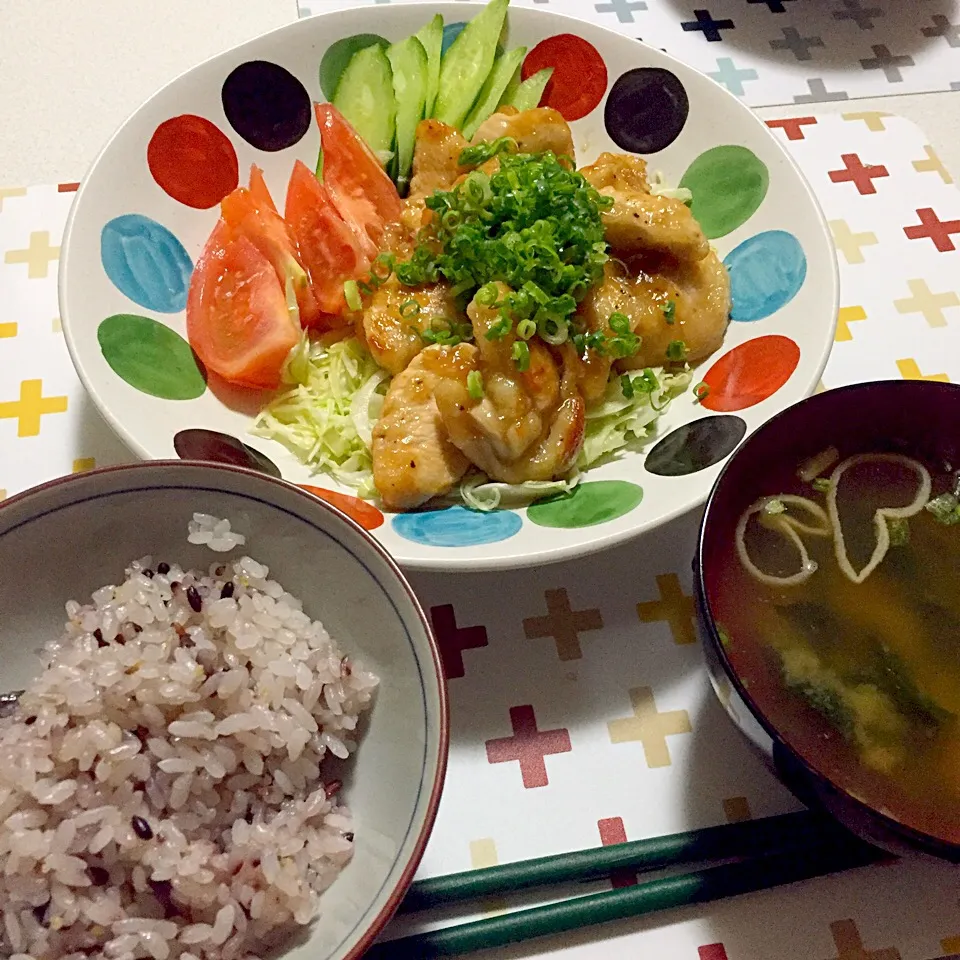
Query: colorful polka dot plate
x=148 y=204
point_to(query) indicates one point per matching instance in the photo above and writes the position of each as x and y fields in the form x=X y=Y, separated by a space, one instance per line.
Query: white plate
x=785 y=272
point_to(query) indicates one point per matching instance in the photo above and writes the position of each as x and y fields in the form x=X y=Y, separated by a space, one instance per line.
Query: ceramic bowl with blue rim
x=72 y=536
x=141 y=218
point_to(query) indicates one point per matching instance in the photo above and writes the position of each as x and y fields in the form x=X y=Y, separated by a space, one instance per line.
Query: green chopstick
x=749 y=838
x=701 y=886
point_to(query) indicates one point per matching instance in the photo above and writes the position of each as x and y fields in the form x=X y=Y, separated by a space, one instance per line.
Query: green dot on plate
x=728 y=184
x=338 y=55
x=588 y=505
x=151 y=357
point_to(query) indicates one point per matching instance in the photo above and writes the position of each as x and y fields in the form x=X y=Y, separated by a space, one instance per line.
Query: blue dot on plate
x=146 y=262
x=457 y=527
x=766 y=273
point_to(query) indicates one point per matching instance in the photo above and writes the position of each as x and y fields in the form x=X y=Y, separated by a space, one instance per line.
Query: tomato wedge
x=258 y=187
x=253 y=215
x=238 y=321
x=361 y=189
x=328 y=248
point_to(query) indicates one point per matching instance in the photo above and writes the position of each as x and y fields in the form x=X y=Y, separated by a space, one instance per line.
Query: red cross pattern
x=936 y=229
x=453 y=640
x=792 y=126
x=856 y=173
x=612 y=831
x=529 y=746
x=712 y=951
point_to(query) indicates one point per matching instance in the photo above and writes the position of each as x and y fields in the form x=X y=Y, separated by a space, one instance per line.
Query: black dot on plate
x=198 y=444
x=266 y=104
x=646 y=109
x=695 y=446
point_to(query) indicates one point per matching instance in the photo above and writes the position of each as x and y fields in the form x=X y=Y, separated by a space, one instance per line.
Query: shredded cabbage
x=618 y=421
x=661 y=188
x=485 y=495
x=325 y=414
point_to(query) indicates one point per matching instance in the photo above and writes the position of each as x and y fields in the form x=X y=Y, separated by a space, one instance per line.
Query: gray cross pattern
x=942 y=27
x=800 y=46
x=624 y=9
x=863 y=18
x=819 y=93
x=884 y=60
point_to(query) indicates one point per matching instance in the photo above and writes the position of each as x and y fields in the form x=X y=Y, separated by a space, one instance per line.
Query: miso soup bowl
x=920 y=418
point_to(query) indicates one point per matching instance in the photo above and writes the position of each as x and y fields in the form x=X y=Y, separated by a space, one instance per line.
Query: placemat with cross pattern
x=581 y=713
x=782 y=51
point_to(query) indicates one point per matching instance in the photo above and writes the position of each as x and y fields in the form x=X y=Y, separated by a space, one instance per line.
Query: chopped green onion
x=773 y=507
x=482 y=152
x=409 y=308
x=526 y=329
x=351 y=294
x=475 y=385
x=626 y=385
x=821 y=484
x=899 y=531
x=520 y=353
x=945 y=509
x=701 y=391
x=553 y=331
x=624 y=344
x=669 y=309
x=620 y=323
x=382 y=267
x=487 y=295
x=676 y=351
x=499 y=329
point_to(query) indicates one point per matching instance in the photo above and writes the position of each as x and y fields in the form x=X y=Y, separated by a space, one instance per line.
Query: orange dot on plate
x=750 y=372
x=366 y=514
x=193 y=161
x=579 y=78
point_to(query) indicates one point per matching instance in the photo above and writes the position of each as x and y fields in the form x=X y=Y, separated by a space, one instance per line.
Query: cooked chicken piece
x=620 y=171
x=535 y=131
x=391 y=328
x=436 y=149
x=413 y=458
x=639 y=221
x=400 y=236
x=527 y=425
x=699 y=292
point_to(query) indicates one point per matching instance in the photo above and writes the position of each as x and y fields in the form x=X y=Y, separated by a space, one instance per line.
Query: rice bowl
x=170 y=782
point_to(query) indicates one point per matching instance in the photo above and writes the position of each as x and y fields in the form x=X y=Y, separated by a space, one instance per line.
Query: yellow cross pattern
x=950 y=944
x=483 y=853
x=38 y=256
x=925 y=301
x=83 y=464
x=7 y=330
x=674 y=606
x=31 y=406
x=851 y=244
x=649 y=727
x=910 y=370
x=737 y=809
x=846 y=938
x=932 y=164
x=56 y=326
x=845 y=317
x=7 y=192
x=3 y=494
x=872 y=118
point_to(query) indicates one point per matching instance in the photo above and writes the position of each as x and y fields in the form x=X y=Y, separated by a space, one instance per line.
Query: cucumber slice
x=500 y=76
x=467 y=64
x=365 y=97
x=431 y=36
x=408 y=61
x=527 y=95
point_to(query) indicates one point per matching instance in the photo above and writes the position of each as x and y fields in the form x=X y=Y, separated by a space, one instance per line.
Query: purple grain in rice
x=212 y=736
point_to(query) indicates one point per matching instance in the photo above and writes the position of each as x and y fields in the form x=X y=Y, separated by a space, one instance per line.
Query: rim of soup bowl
x=387 y=911
x=855 y=814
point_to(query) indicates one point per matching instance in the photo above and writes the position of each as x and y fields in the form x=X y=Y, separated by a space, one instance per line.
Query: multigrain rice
x=162 y=784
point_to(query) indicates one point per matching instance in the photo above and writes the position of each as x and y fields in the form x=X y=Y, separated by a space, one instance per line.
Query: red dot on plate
x=579 y=78
x=366 y=514
x=193 y=161
x=750 y=372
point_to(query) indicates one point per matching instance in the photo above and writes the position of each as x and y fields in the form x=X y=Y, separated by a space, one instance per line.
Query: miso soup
x=839 y=602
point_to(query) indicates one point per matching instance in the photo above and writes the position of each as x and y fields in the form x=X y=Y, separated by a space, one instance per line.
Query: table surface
x=71 y=72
